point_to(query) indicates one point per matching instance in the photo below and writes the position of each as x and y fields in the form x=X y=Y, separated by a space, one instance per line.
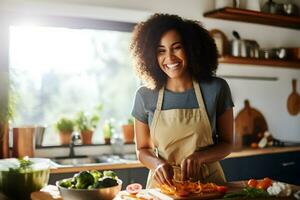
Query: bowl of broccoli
x=20 y=177
x=92 y=185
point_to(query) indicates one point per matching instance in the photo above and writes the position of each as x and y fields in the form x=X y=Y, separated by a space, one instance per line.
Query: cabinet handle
x=285 y=164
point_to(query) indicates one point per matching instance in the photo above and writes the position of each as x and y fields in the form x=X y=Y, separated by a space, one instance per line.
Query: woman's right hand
x=163 y=174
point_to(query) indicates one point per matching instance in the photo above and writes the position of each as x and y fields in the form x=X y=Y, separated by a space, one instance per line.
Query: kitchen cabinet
x=280 y=166
x=243 y=15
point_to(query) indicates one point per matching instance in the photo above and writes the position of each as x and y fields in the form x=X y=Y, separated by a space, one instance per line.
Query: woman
x=184 y=116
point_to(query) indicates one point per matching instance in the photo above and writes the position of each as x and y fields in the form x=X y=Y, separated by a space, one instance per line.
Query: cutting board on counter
x=249 y=121
x=201 y=196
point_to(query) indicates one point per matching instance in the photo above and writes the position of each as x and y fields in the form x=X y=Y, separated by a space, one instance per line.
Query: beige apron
x=177 y=133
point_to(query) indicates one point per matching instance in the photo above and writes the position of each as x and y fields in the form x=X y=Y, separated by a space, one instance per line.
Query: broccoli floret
x=98 y=184
x=96 y=174
x=105 y=182
x=109 y=182
x=84 y=179
x=110 y=174
x=66 y=183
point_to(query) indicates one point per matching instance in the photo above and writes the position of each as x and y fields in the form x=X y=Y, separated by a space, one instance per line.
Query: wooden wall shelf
x=255 y=61
x=236 y=14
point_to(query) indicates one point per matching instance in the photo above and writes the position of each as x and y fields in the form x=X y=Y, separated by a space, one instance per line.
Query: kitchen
x=267 y=87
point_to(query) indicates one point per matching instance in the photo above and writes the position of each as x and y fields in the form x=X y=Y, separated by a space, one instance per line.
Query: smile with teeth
x=172 y=66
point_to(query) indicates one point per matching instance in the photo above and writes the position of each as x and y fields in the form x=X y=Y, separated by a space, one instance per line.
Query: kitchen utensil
x=238 y=46
x=267 y=53
x=271 y=7
x=18 y=183
x=293 y=102
x=252 y=49
x=249 y=121
x=293 y=53
x=281 y=53
x=244 y=48
x=221 y=41
x=90 y=194
x=23 y=141
x=290 y=9
x=39 y=135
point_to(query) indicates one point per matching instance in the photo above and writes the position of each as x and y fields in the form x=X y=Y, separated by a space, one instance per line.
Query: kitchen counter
x=136 y=164
x=51 y=192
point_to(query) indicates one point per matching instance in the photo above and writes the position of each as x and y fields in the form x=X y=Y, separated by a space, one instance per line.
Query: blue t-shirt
x=216 y=96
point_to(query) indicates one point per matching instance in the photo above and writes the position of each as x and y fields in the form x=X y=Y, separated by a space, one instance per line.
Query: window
x=60 y=70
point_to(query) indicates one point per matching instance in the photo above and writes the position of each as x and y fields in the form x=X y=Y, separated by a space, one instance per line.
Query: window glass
x=59 y=71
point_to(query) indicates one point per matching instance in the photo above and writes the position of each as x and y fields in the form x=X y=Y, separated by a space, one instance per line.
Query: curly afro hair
x=199 y=47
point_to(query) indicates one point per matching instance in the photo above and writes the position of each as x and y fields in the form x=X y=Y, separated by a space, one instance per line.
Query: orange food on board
x=222 y=189
x=182 y=193
x=254 y=145
x=134 y=188
x=264 y=184
x=252 y=183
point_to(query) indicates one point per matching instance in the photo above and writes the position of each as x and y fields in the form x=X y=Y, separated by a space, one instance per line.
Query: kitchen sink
x=75 y=161
x=90 y=160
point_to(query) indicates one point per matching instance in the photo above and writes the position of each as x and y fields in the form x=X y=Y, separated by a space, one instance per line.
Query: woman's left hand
x=191 y=167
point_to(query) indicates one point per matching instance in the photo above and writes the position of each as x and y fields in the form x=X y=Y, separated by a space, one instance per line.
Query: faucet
x=74 y=140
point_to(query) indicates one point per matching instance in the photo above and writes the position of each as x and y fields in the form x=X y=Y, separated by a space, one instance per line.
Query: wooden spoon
x=293 y=102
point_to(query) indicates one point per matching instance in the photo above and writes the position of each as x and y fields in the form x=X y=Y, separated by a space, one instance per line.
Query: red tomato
x=182 y=193
x=252 y=183
x=222 y=189
x=134 y=188
x=264 y=184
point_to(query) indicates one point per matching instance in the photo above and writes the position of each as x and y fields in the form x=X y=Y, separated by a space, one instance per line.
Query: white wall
x=267 y=96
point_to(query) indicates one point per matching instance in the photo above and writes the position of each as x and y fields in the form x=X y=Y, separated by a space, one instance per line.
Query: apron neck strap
x=160 y=98
x=198 y=93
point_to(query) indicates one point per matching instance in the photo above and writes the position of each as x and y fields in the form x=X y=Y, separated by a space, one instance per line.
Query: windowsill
x=83 y=150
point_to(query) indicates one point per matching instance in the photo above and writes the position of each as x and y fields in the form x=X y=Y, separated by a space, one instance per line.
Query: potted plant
x=128 y=131
x=108 y=131
x=65 y=126
x=86 y=125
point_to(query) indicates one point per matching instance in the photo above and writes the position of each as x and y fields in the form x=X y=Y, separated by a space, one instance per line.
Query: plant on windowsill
x=108 y=131
x=86 y=125
x=128 y=131
x=65 y=127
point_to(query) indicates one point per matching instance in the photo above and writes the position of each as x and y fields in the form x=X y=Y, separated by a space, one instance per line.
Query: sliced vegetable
x=222 y=189
x=134 y=188
x=182 y=193
x=252 y=183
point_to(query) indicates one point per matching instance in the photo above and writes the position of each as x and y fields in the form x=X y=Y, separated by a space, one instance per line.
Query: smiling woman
x=68 y=64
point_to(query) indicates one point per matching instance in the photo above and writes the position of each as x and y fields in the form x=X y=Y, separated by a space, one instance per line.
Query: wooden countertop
x=51 y=192
x=136 y=164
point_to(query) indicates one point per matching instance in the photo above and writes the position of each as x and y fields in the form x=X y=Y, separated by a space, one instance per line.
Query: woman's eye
x=177 y=47
x=160 y=51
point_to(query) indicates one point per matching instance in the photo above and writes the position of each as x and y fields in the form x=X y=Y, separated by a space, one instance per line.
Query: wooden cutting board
x=249 y=121
x=293 y=102
x=156 y=193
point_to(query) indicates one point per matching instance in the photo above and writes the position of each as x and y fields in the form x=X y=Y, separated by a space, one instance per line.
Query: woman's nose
x=169 y=55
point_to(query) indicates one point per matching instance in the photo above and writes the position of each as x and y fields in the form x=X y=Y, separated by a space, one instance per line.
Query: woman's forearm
x=148 y=158
x=215 y=153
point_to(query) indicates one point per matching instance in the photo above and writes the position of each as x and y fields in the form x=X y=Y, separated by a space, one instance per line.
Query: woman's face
x=171 y=56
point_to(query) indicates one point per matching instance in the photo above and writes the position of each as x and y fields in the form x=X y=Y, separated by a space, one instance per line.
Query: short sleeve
x=138 y=110
x=224 y=98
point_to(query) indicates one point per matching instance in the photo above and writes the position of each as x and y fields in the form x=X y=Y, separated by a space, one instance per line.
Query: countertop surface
x=51 y=192
x=136 y=164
